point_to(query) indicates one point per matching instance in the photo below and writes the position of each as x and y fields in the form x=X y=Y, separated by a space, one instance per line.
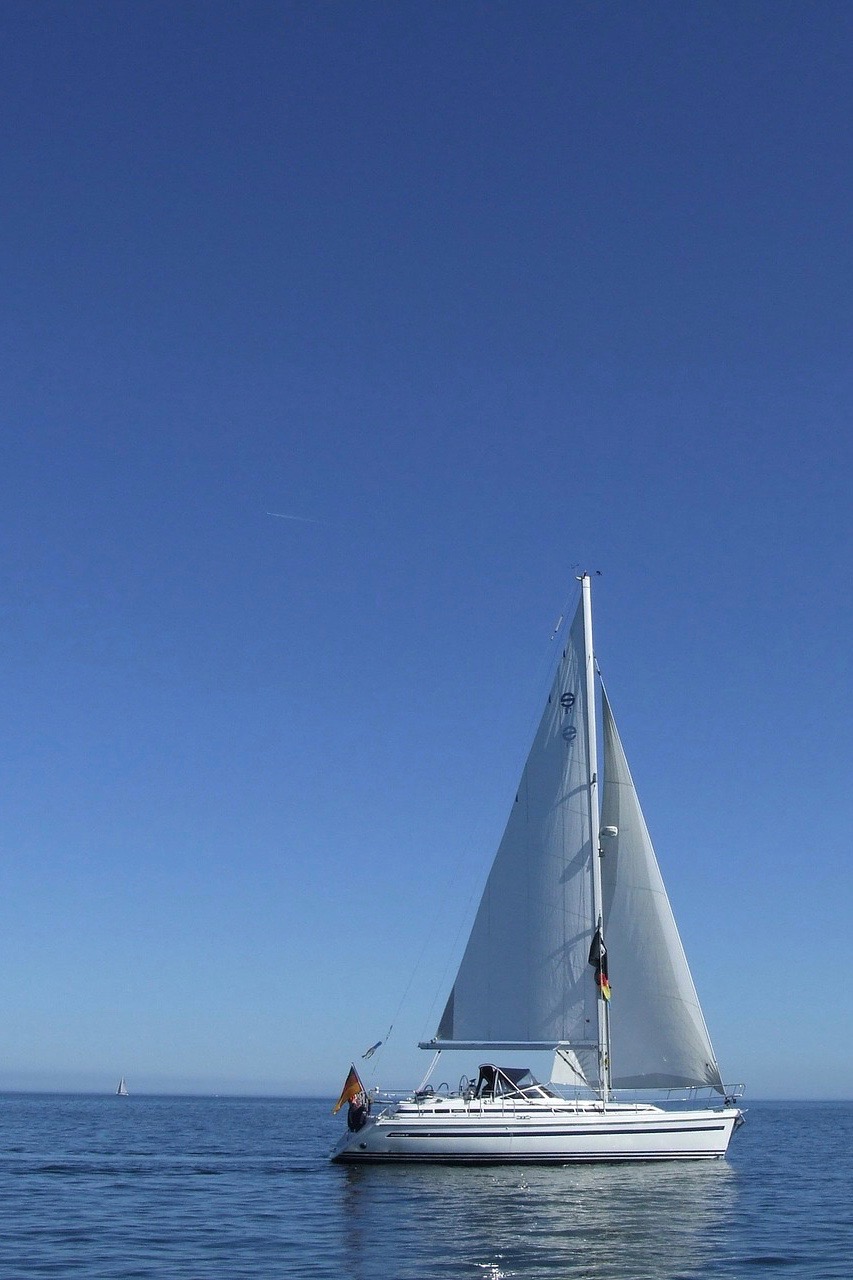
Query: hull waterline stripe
x=551 y=1133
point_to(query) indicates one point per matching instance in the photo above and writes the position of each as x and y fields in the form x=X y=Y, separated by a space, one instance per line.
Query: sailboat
x=574 y=950
x=121 y=1091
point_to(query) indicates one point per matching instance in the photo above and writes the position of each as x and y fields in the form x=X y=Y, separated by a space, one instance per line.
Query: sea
x=193 y=1188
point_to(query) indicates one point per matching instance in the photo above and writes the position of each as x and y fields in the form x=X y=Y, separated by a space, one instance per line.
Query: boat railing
x=510 y=1104
x=698 y=1096
x=389 y=1097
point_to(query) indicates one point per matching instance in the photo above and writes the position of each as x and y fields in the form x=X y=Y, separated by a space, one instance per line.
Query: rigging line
x=374 y=1063
x=407 y=989
x=430 y=933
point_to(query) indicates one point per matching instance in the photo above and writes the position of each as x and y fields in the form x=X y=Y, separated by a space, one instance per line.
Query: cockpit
x=502 y=1082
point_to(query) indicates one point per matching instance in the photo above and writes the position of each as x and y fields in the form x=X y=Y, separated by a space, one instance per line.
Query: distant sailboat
x=574 y=897
x=121 y=1091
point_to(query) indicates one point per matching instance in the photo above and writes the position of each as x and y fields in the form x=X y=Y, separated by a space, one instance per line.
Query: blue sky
x=482 y=293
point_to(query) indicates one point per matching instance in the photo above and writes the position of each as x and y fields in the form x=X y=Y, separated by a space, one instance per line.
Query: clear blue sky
x=482 y=293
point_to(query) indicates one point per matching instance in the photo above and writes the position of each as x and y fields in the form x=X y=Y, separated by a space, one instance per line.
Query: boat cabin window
x=501 y=1082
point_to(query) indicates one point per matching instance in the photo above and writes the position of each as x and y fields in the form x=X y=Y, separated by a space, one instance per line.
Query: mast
x=594 y=828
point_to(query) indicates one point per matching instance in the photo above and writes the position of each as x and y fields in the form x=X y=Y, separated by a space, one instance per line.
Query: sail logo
x=567 y=701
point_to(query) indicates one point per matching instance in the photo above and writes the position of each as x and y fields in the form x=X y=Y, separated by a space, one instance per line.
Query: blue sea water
x=179 y=1188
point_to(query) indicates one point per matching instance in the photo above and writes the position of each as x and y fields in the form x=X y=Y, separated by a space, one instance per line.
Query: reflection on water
x=613 y=1222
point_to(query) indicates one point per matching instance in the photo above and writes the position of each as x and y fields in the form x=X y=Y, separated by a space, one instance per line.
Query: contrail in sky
x=281 y=515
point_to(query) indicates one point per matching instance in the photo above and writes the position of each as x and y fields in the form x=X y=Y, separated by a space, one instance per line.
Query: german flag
x=352 y=1088
x=598 y=959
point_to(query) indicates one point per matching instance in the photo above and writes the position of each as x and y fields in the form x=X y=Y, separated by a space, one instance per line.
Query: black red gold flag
x=352 y=1088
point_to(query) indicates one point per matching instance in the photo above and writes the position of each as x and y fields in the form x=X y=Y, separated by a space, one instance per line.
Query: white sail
x=525 y=980
x=659 y=1038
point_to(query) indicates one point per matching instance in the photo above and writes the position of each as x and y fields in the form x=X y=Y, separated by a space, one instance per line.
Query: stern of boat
x=356 y=1145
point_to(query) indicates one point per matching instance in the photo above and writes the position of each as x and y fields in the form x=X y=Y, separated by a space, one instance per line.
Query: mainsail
x=659 y=1037
x=524 y=980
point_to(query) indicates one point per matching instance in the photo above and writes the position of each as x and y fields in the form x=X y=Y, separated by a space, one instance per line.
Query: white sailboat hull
x=559 y=1135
